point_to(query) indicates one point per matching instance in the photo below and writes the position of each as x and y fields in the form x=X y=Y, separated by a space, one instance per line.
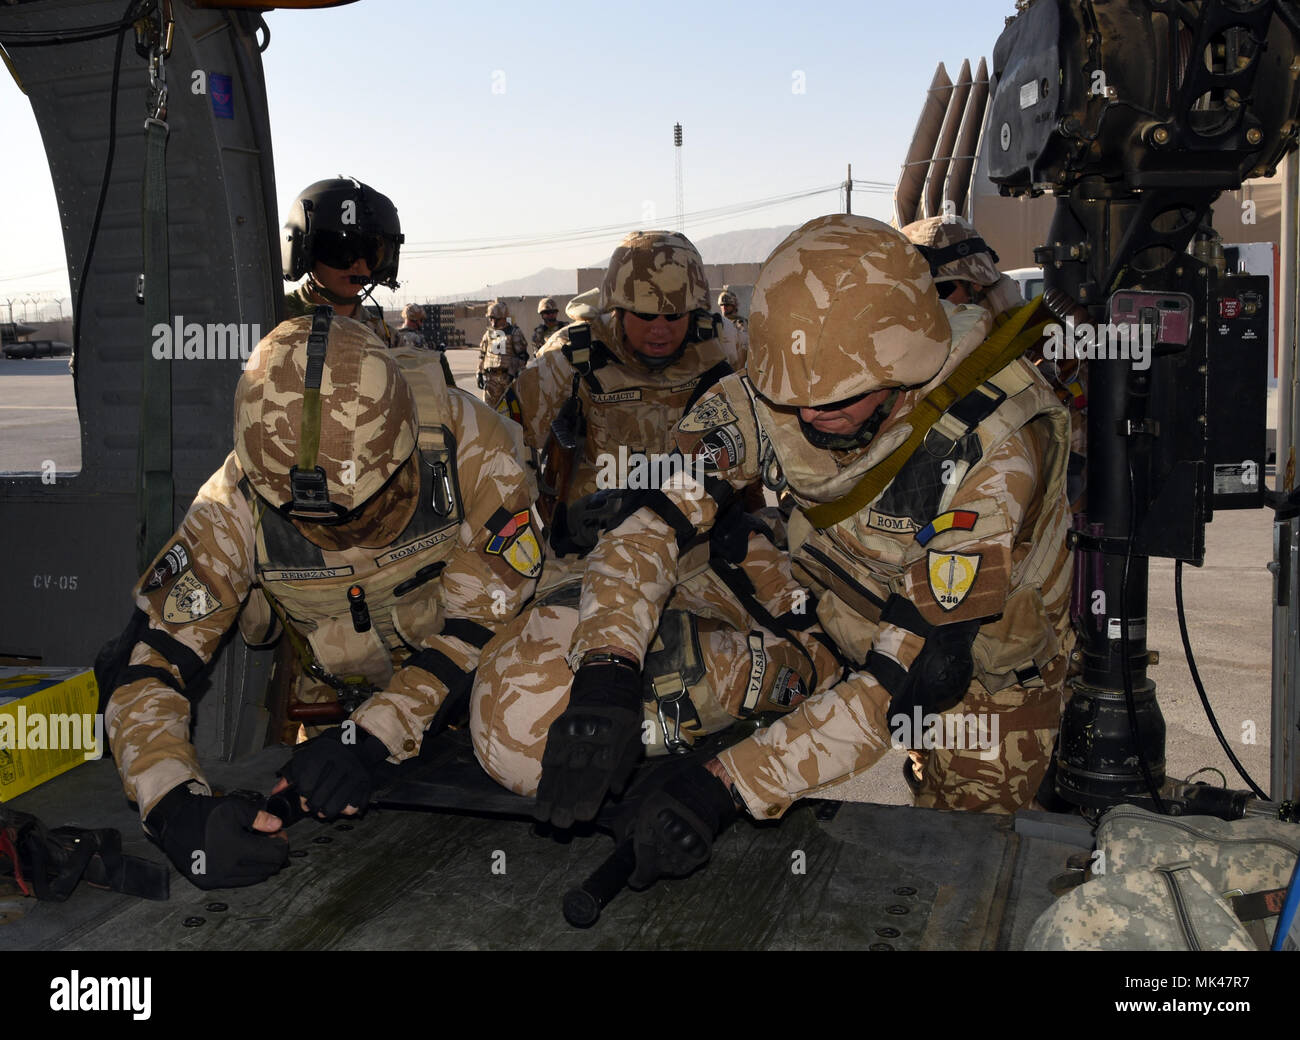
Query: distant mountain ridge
x=749 y=246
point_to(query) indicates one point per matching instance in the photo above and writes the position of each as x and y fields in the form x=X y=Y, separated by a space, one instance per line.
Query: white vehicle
x=1030 y=280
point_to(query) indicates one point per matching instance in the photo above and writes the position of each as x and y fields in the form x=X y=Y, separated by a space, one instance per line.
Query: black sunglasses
x=837 y=405
x=342 y=249
x=654 y=317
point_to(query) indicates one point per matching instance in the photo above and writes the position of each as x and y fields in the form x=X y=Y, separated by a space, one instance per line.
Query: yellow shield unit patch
x=952 y=576
x=189 y=600
x=524 y=553
x=515 y=541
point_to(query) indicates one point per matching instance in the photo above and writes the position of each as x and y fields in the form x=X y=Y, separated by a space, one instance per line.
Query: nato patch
x=174 y=562
x=722 y=447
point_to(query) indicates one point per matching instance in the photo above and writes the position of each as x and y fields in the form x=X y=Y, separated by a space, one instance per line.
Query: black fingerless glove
x=333 y=774
x=211 y=840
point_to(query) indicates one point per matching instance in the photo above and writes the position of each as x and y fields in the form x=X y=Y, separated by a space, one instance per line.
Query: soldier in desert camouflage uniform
x=502 y=353
x=632 y=369
x=410 y=336
x=928 y=466
x=345 y=237
x=965 y=271
x=734 y=328
x=549 y=310
x=372 y=513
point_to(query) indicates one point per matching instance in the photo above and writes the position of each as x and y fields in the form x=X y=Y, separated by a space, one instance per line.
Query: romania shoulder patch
x=511 y=536
x=953 y=520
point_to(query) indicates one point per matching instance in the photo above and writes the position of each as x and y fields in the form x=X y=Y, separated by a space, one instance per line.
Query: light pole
x=677 y=151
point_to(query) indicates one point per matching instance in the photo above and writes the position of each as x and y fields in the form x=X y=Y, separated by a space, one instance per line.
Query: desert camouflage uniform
x=987 y=544
x=733 y=334
x=438 y=578
x=408 y=339
x=1001 y=296
x=300 y=302
x=742 y=666
x=542 y=333
x=502 y=353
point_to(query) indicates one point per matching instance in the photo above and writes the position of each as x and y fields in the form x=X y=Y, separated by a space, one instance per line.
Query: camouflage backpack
x=1175 y=883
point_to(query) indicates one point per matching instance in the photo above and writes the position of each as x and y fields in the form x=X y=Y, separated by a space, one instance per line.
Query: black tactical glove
x=674 y=822
x=211 y=841
x=593 y=746
x=941 y=673
x=332 y=774
x=482 y=381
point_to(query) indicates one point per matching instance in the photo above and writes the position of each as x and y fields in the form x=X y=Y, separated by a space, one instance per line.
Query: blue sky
x=507 y=120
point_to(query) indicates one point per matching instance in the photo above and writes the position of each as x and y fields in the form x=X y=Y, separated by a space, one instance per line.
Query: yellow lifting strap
x=1008 y=342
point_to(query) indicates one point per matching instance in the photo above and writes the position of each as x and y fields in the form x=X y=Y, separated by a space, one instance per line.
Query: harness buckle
x=672 y=739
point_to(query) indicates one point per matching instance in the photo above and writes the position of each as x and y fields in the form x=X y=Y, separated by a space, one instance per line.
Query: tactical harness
x=674 y=662
x=956 y=406
x=362 y=607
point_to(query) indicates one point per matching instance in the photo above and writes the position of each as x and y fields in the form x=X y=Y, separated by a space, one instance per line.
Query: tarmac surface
x=1229 y=600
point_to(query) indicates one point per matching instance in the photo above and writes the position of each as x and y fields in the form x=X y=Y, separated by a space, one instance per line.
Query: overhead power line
x=550 y=240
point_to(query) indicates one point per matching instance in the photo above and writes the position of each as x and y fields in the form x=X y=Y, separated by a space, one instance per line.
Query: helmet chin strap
x=655 y=364
x=328 y=295
x=849 y=441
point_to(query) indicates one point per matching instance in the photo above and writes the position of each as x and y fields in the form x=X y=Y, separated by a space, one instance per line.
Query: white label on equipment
x=1029 y=94
x=1228 y=479
x=1137 y=628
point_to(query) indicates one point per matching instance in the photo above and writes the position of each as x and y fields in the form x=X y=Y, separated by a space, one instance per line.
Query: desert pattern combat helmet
x=844 y=306
x=322 y=424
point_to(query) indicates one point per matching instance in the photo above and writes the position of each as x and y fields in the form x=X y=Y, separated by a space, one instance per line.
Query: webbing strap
x=309 y=429
x=707 y=381
x=1000 y=349
x=743 y=589
x=156 y=499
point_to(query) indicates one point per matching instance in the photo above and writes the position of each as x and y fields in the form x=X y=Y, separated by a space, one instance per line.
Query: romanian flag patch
x=953 y=520
x=512 y=538
x=503 y=526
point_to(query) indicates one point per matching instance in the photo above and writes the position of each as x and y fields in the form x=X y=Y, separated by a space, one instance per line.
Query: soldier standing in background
x=411 y=333
x=549 y=310
x=345 y=237
x=502 y=353
x=729 y=305
x=965 y=271
x=941 y=573
x=411 y=337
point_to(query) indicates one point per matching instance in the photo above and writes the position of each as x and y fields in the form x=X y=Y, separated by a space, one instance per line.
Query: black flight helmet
x=338 y=221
